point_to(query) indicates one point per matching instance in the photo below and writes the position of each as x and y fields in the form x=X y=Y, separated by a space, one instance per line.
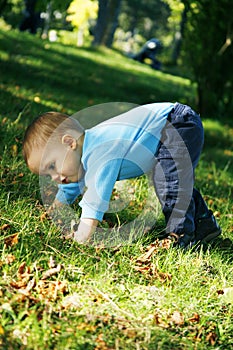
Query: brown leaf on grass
x=44 y=216
x=150 y=270
x=19 y=284
x=212 y=338
x=27 y=282
x=22 y=268
x=28 y=287
x=21 y=175
x=100 y=343
x=194 y=318
x=153 y=249
x=50 y=289
x=162 y=276
x=220 y=292
x=24 y=271
x=159 y=321
x=87 y=327
x=24 y=276
x=11 y=240
x=165 y=243
x=168 y=321
x=5 y=227
x=147 y=256
x=51 y=272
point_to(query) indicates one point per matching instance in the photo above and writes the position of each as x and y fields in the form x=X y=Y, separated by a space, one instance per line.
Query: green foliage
x=56 y=294
x=147 y=18
x=209 y=53
x=81 y=11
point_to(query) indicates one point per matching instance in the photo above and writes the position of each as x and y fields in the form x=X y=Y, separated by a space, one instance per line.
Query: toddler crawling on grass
x=166 y=138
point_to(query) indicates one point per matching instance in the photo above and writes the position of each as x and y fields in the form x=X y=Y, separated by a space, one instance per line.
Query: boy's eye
x=52 y=166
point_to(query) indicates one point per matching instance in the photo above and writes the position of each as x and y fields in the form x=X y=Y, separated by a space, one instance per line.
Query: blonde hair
x=45 y=126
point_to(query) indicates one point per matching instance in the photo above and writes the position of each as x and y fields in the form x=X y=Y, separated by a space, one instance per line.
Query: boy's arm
x=85 y=229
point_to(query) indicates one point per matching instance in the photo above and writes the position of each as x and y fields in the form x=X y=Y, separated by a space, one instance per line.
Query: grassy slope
x=98 y=300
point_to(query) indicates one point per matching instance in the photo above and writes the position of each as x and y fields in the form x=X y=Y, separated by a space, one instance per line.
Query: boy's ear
x=69 y=140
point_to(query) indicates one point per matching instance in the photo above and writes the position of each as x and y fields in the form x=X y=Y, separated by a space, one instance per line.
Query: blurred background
x=183 y=37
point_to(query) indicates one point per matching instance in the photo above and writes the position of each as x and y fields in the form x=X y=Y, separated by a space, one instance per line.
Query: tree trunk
x=107 y=22
x=114 y=14
x=179 y=36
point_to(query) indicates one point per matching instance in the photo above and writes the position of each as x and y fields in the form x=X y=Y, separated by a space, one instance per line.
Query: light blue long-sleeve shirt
x=120 y=148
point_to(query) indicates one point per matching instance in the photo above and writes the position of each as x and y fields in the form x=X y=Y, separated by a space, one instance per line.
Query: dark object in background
x=31 y=18
x=149 y=50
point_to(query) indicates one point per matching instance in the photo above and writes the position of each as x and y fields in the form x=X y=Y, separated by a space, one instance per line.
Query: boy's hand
x=83 y=230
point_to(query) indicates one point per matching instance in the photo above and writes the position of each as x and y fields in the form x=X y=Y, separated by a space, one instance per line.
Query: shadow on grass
x=222 y=246
x=74 y=78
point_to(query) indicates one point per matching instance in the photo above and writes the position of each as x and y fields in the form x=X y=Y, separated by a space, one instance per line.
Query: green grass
x=103 y=297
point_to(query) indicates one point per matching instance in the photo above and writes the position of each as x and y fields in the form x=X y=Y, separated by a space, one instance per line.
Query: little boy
x=164 y=137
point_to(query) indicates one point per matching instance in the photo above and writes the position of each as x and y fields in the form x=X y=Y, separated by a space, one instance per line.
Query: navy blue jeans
x=176 y=159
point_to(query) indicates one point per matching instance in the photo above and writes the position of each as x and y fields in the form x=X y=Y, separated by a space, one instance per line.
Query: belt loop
x=179 y=108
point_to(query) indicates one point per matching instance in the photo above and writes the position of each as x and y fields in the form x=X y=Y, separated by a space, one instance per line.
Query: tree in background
x=31 y=20
x=107 y=22
x=145 y=17
x=176 y=23
x=80 y=13
x=11 y=11
x=208 y=52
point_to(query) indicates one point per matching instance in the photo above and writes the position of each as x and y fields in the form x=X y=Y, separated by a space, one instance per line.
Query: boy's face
x=59 y=159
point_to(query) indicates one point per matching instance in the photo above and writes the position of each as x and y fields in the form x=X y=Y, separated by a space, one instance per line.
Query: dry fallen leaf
x=150 y=270
x=159 y=321
x=147 y=256
x=165 y=243
x=100 y=343
x=194 y=318
x=212 y=338
x=44 y=216
x=51 y=272
x=22 y=268
x=19 y=284
x=11 y=240
x=24 y=271
x=50 y=289
x=5 y=227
